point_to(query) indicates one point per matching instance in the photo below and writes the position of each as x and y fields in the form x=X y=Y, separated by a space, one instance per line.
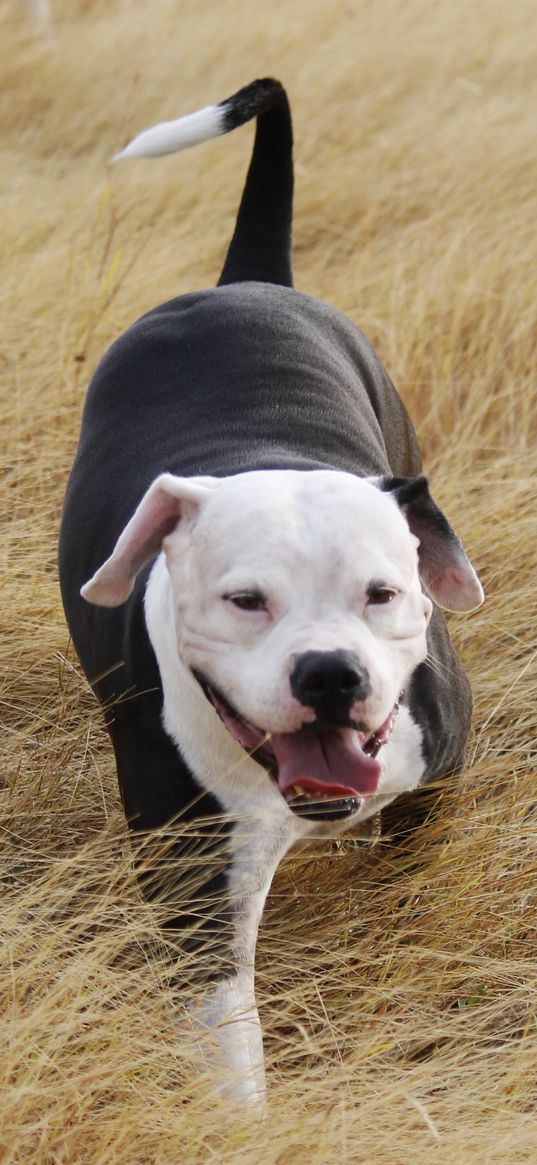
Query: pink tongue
x=333 y=762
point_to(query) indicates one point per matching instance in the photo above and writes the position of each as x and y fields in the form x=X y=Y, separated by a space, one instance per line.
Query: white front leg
x=226 y=1020
x=229 y=1042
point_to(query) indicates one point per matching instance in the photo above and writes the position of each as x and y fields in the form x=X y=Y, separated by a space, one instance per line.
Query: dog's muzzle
x=324 y=771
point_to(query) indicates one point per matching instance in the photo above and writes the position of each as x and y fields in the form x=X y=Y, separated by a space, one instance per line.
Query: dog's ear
x=444 y=566
x=168 y=500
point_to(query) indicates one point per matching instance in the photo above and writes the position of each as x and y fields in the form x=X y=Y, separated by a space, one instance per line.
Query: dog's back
x=290 y=383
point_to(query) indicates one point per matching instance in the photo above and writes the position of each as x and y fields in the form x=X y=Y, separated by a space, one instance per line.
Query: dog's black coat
x=248 y=375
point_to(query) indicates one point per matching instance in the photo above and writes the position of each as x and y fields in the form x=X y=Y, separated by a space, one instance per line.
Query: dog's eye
x=248 y=600
x=377 y=595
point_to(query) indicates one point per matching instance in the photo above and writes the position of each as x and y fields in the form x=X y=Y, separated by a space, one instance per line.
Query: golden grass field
x=397 y=983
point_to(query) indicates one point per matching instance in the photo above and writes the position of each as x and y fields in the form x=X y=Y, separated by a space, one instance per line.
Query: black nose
x=329 y=682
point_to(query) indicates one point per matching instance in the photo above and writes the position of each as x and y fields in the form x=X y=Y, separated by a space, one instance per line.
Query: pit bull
x=252 y=569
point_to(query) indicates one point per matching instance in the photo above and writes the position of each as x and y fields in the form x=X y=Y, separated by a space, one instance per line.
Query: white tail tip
x=168 y=137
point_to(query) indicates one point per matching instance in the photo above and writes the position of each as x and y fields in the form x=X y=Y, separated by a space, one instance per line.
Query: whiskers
x=438 y=667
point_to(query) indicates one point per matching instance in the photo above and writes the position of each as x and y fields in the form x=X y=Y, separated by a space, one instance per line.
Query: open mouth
x=321 y=773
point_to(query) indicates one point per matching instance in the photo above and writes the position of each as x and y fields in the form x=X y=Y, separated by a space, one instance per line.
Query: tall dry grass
x=397 y=982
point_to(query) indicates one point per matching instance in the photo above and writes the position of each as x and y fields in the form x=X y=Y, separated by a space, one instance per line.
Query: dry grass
x=398 y=985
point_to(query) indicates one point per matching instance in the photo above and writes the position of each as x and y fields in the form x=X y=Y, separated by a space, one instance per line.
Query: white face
x=276 y=565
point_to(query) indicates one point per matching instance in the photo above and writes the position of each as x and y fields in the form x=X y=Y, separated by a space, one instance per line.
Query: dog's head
x=301 y=604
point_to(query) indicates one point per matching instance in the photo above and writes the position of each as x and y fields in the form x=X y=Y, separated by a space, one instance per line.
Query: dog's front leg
x=226 y=1020
x=227 y=1026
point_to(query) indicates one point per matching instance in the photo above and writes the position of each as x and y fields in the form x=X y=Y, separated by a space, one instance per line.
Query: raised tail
x=261 y=245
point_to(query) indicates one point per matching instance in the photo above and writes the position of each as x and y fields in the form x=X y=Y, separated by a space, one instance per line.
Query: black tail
x=261 y=245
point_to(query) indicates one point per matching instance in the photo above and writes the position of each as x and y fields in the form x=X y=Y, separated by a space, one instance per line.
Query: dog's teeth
x=307 y=794
x=300 y=791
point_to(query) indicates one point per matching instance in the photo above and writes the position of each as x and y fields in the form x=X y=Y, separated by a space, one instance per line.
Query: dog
x=252 y=568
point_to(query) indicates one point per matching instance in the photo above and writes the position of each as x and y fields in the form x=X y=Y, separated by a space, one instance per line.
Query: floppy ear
x=444 y=567
x=167 y=500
